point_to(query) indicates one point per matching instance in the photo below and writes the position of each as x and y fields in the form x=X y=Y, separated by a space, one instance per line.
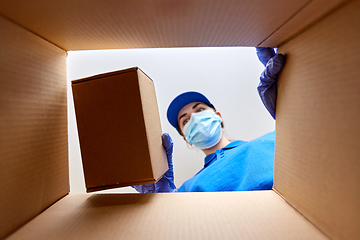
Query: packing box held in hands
x=119 y=129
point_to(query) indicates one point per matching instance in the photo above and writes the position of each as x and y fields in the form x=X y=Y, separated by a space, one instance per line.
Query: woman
x=229 y=166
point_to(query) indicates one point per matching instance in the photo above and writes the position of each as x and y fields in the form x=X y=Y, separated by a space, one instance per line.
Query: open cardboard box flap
x=90 y=25
x=317 y=167
x=229 y=215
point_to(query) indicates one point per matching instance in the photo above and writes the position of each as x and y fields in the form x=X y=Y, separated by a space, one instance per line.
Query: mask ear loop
x=187 y=143
x=189 y=146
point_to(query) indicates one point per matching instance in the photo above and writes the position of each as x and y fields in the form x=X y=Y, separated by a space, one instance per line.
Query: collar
x=209 y=158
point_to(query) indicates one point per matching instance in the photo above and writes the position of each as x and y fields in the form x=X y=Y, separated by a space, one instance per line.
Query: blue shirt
x=240 y=166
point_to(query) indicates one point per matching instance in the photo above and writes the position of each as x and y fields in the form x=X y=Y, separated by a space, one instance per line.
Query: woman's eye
x=200 y=109
x=185 y=121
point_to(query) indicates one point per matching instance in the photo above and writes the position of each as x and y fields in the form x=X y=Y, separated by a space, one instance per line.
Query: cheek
x=182 y=131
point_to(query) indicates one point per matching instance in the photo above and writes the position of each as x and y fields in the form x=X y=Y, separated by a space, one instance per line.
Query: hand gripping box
x=119 y=129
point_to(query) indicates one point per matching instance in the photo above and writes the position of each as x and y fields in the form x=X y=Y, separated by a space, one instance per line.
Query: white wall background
x=227 y=76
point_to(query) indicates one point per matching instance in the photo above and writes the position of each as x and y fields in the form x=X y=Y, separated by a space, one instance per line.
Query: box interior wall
x=317 y=127
x=317 y=101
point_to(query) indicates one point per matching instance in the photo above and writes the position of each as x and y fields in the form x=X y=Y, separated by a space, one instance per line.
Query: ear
x=186 y=141
x=219 y=114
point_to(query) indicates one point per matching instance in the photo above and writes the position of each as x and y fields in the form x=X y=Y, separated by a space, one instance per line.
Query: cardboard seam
x=284 y=199
x=30 y=31
x=304 y=29
x=291 y=17
x=137 y=68
x=37 y=215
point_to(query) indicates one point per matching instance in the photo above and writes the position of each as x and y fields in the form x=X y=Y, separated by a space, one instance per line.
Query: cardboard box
x=227 y=215
x=119 y=129
x=317 y=169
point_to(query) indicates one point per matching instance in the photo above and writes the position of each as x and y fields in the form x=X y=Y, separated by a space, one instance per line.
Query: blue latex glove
x=264 y=54
x=166 y=183
x=268 y=86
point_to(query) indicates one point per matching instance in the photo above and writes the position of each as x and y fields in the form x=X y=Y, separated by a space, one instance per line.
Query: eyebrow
x=193 y=107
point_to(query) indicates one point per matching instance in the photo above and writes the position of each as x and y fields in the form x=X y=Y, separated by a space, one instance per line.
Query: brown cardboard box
x=317 y=168
x=119 y=129
x=226 y=215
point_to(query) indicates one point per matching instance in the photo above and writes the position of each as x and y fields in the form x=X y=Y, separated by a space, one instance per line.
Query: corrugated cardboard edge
x=152 y=125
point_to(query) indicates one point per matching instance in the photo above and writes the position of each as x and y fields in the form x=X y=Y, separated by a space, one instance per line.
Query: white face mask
x=204 y=129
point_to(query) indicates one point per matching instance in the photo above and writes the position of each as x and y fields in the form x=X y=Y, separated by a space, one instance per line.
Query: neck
x=221 y=144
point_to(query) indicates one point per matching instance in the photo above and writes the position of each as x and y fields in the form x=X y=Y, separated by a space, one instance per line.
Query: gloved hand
x=264 y=54
x=268 y=86
x=166 y=183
